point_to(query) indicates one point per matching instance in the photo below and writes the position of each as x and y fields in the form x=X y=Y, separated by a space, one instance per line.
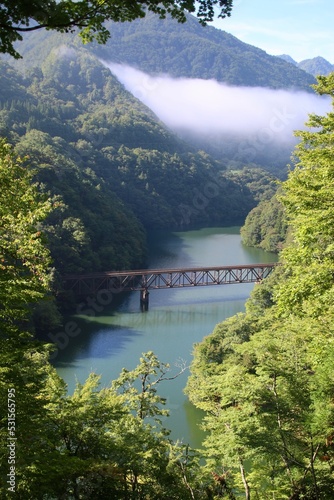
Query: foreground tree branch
x=88 y=16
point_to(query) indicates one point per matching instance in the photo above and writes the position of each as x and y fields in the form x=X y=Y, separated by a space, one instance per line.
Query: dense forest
x=266 y=226
x=265 y=377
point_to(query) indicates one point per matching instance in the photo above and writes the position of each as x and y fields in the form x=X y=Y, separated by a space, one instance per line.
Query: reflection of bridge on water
x=148 y=279
x=169 y=316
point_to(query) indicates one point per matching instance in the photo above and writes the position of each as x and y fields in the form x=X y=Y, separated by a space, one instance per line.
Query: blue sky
x=301 y=28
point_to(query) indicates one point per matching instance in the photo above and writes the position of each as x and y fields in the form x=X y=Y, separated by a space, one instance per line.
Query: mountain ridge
x=314 y=66
x=182 y=50
x=190 y=50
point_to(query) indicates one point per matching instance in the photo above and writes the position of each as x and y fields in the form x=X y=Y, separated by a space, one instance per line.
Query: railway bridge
x=148 y=279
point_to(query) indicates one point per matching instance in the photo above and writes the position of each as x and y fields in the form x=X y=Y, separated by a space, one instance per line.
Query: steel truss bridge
x=149 y=279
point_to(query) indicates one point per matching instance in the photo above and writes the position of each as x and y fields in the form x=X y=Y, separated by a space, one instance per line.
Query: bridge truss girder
x=125 y=281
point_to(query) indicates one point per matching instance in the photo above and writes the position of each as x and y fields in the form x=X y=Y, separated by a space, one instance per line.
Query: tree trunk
x=244 y=480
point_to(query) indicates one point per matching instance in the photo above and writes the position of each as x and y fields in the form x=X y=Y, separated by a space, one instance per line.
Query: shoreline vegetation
x=264 y=378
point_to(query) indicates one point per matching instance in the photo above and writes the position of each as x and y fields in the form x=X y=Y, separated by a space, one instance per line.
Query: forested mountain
x=181 y=50
x=315 y=66
x=163 y=46
x=104 y=171
x=114 y=168
x=263 y=377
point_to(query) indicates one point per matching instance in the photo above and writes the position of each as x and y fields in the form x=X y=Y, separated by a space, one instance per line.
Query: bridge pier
x=144 y=296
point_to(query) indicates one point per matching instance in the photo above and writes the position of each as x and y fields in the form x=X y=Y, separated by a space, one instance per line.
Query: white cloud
x=210 y=107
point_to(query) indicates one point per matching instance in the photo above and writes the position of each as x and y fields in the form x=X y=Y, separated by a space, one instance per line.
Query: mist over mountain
x=207 y=106
x=233 y=105
x=102 y=136
x=237 y=124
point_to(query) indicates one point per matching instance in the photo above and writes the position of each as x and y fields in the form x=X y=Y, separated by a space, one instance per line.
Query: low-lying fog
x=207 y=106
x=237 y=125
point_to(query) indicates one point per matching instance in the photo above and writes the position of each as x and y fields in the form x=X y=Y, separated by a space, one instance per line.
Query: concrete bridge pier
x=144 y=296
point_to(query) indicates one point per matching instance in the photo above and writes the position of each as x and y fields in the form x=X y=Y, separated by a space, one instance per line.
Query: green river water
x=177 y=318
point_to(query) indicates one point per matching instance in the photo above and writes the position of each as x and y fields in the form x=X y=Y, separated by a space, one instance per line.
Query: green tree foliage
x=308 y=199
x=24 y=280
x=265 y=226
x=265 y=377
x=23 y=255
x=89 y=16
x=97 y=443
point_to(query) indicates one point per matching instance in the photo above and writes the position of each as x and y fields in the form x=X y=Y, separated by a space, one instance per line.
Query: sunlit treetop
x=88 y=16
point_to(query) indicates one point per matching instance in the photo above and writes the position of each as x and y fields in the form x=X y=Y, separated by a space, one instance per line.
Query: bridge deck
x=145 y=279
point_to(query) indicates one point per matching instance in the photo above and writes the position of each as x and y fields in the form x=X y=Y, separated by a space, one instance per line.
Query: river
x=176 y=319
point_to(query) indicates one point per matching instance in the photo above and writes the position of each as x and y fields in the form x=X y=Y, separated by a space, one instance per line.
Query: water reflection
x=177 y=318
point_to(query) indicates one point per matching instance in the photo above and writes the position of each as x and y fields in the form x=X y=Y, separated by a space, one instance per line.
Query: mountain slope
x=39 y=121
x=315 y=66
x=189 y=50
